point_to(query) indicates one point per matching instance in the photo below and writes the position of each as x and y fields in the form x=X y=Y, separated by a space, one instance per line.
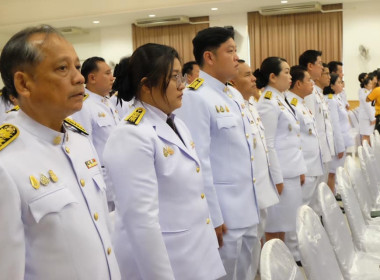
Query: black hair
x=19 y=54
x=151 y=61
x=325 y=65
x=188 y=67
x=367 y=79
x=328 y=89
x=209 y=39
x=298 y=74
x=309 y=56
x=90 y=65
x=361 y=78
x=269 y=65
x=333 y=66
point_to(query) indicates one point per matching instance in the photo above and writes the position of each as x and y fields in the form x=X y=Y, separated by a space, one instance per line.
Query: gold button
x=252 y=158
x=298 y=135
x=247 y=135
x=300 y=148
x=298 y=122
x=198 y=169
x=202 y=195
x=57 y=140
x=242 y=113
x=67 y=150
x=207 y=221
x=82 y=182
x=109 y=250
x=254 y=180
x=262 y=137
x=96 y=216
x=251 y=121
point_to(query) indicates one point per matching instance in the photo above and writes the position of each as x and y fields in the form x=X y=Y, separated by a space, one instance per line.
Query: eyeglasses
x=180 y=79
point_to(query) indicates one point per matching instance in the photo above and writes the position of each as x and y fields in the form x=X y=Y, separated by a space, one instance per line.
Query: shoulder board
x=1 y=93
x=294 y=102
x=136 y=116
x=15 y=108
x=8 y=133
x=76 y=125
x=331 y=96
x=86 y=95
x=196 y=84
x=268 y=95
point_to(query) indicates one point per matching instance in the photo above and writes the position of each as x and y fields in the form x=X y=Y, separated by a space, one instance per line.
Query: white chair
x=366 y=238
x=354 y=131
x=353 y=264
x=369 y=174
x=317 y=255
x=359 y=184
x=277 y=263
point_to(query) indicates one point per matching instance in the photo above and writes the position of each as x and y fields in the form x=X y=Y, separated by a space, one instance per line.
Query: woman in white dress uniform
x=163 y=229
x=282 y=132
x=341 y=126
x=367 y=118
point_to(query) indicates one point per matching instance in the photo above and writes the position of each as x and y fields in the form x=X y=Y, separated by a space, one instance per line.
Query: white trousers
x=240 y=253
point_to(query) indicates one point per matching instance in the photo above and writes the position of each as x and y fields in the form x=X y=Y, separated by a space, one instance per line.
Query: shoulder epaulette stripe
x=15 y=108
x=136 y=116
x=196 y=84
x=8 y=133
x=75 y=125
x=86 y=95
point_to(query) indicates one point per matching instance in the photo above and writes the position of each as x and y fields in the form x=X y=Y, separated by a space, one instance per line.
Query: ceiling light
x=284 y=1
x=96 y=22
x=152 y=15
x=214 y=9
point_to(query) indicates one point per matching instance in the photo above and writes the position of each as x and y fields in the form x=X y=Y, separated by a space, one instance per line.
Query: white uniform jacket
x=220 y=127
x=98 y=116
x=319 y=108
x=282 y=132
x=345 y=125
x=163 y=228
x=338 y=135
x=53 y=211
x=309 y=136
x=366 y=110
x=266 y=191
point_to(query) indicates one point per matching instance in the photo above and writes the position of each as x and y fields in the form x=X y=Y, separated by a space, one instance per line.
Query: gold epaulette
x=294 y=102
x=86 y=95
x=76 y=125
x=14 y=109
x=331 y=96
x=268 y=95
x=136 y=116
x=196 y=84
x=8 y=133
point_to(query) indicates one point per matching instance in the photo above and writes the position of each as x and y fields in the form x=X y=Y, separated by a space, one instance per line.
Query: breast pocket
x=99 y=182
x=104 y=121
x=51 y=202
x=226 y=122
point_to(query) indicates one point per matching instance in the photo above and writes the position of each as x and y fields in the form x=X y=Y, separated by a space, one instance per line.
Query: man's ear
x=310 y=66
x=91 y=78
x=208 y=58
x=23 y=83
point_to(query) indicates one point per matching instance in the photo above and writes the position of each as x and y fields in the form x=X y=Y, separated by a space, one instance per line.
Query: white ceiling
x=17 y=14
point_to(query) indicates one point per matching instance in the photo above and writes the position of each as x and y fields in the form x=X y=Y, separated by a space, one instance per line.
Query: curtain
x=288 y=36
x=177 y=36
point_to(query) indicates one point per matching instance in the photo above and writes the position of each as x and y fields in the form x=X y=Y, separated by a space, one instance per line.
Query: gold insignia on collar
x=14 y=109
x=136 y=116
x=221 y=109
x=310 y=131
x=331 y=96
x=101 y=114
x=254 y=143
x=8 y=133
x=34 y=182
x=243 y=105
x=217 y=109
x=196 y=84
x=52 y=176
x=91 y=163
x=225 y=89
x=168 y=151
x=227 y=109
x=294 y=102
x=57 y=140
x=192 y=144
x=86 y=95
x=75 y=125
x=268 y=95
x=44 y=180
x=290 y=127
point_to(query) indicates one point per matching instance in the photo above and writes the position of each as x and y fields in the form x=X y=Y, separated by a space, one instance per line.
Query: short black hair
x=209 y=39
x=90 y=65
x=19 y=54
x=309 y=56
x=269 y=65
x=333 y=66
x=188 y=67
x=298 y=74
x=151 y=61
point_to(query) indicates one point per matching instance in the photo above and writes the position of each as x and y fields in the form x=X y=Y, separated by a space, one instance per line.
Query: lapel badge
x=243 y=105
x=290 y=127
x=91 y=163
x=101 y=114
x=227 y=109
x=192 y=144
x=310 y=131
x=34 y=182
x=221 y=109
x=52 y=176
x=217 y=109
x=44 y=180
x=230 y=95
x=168 y=151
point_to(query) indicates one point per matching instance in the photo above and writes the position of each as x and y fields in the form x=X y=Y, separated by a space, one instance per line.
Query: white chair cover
x=366 y=238
x=368 y=174
x=354 y=131
x=277 y=263
x=353 y=264
x=317 y=255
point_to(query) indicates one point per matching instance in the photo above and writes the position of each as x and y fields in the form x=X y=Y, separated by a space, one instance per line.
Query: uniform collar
x=96 y=96
x=275 y=91
x=40 y=131
x=212 y=82
x=292 y=95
